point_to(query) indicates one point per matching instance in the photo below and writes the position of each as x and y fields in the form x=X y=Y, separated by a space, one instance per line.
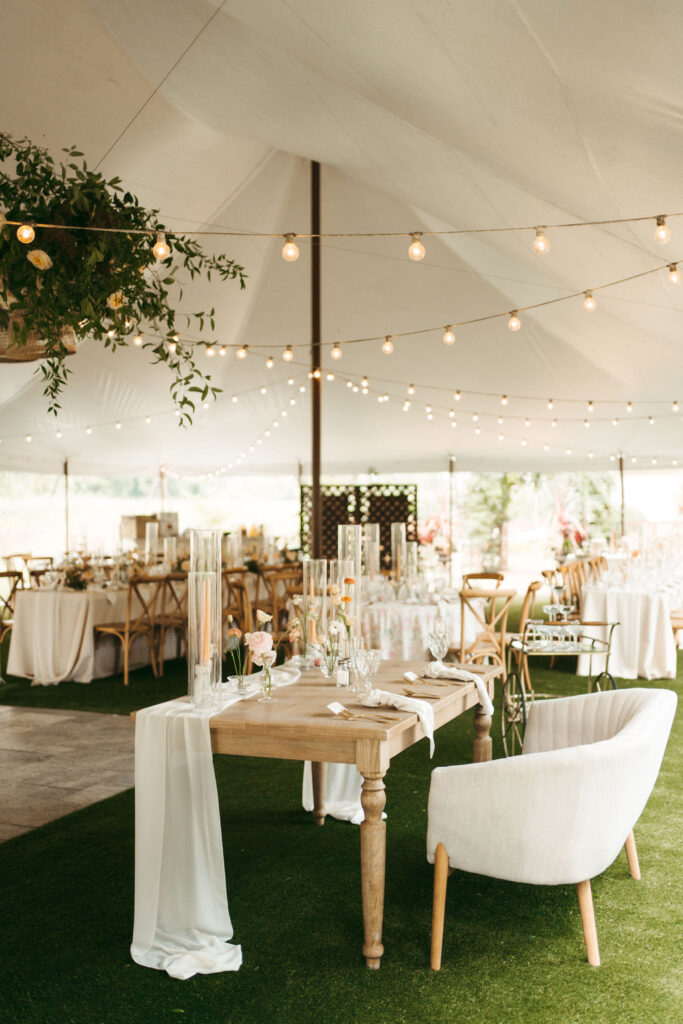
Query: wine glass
x=367 y=665
x=438 y=643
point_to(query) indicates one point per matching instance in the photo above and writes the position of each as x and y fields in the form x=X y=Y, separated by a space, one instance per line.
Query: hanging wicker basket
x=34 y=347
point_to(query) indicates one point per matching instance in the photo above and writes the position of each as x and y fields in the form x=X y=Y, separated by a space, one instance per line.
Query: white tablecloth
x=53 y=638
x=643 y=645
x=398 y=629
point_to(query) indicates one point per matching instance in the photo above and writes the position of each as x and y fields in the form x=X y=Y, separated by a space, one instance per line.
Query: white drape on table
x=643 y=644
x=182 y=923
x=342 y=792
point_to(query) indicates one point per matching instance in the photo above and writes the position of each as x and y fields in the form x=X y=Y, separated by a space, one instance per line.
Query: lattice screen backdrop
x=364 y=503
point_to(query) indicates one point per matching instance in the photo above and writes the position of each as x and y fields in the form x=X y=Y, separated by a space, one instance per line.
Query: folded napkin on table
x=438 y=670
x=421 y=708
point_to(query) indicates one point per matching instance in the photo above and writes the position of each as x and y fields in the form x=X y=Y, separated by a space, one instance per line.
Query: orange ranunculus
x=234 y=632
x=349 y=581
x=346 y=599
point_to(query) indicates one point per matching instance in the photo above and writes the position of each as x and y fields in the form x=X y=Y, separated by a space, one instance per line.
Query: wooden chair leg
x=590 y=936
x=632 y=856
x=160 y=650
x=439 y=905
x=126 y=652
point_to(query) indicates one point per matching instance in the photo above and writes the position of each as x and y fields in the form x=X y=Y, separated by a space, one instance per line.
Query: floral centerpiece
x=75 y=574
x=260 y=645
x=102 y=267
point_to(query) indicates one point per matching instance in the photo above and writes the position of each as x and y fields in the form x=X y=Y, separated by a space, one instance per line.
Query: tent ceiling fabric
x=430 y=114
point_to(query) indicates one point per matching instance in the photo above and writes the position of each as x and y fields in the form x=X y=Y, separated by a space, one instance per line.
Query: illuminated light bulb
x=310 y=375
x=205 y=405
x=235 y=398
x=290 y=381
x=428 y=408
x=514 y=323
x=266 y=434
x=288 y=355
x=546 y=447
x=58 y=434
x=615 y=421
x=148 y=419
x=590 y=455
x=349 y=383
x=176 y=412
x=589 y=303
x=654 y=462
x=416 y=249
x=290 y=250
x=276 y=424
x=364 y=391
x=406 y=406
x=88 y=430
x=586 y=424
x=675 y=407
x=500 y=421
x=355 y=389
x=673 y=277
x=541 y=243
x=675 y=462
x=385 y=397
x=554 y=423
x=454 y=423
x=457 y=396
x=316 y=374
x=172 y=347
x=388 y=345
x=380 y=399
x=28 y=438
x=569 y=451
x=263 y=389
x=523 y=442
x=613 y=458
x=550 y=403
x=651 y=420
x=302 y=388
x=429 y=416
x=629 y=407
x=270 y=363
x=527 y=422
x=283 y=413
x=161 y=248
x=211 y=352
x=25 y=233
x=137 y=340
x=591 y=406
x=477 y=430
x=111 y=334
x=241 y=352
x=504 y=400
x=366 y=383
x=117 y=426
x=329 y=376
x=127 y=324
x=500 y=437
x=292 y=401
x=222 y=351
x=259 y=440
x=475 y=417
x=662 y=231
x=411 y=389
x=451 y=413
x=336 y=352
x=449 y=335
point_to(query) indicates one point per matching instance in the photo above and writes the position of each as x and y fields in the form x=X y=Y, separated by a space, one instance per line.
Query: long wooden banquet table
x=297 y=725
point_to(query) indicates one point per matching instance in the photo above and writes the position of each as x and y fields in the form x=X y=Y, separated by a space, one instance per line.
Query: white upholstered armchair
x=560 y=812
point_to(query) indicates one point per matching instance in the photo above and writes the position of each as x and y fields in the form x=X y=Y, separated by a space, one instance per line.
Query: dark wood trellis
x=363 y=503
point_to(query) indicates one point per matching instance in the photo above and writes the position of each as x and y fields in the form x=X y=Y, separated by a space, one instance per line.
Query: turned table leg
x=372 y=865
x=483 y=745
x=319 y=775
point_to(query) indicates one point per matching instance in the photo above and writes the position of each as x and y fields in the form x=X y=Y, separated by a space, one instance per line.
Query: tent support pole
x=316 y=381
x=162 y=488
x=621 y=484
x=66 y=506
x=451 y=470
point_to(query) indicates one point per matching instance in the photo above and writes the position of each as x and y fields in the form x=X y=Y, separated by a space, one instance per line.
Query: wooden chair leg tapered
x=590 y=935
x=441 y=872
x=632 y=856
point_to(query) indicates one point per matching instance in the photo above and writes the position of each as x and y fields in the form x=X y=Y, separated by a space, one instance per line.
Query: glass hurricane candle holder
x=203 y=639
x=350 y=550
x=170 y=553
x=151 y=543
x=398 y=551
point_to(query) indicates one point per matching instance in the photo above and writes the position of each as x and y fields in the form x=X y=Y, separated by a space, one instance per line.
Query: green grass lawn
x=513 y=954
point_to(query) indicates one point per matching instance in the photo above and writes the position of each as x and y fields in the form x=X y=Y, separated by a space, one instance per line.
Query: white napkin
x=182 y=923
x=421 y=708
x=438 y=670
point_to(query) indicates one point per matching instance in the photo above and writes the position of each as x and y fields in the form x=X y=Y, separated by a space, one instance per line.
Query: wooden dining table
x=297 y=725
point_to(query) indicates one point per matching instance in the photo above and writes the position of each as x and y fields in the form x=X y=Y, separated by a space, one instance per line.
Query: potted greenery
x=81 y=258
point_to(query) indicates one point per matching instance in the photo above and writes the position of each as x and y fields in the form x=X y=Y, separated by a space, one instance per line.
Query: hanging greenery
x=105 y=285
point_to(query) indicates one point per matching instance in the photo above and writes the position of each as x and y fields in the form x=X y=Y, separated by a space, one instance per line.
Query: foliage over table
x=105 y=285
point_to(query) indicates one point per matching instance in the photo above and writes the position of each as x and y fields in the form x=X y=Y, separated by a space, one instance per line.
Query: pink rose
x=259 y=642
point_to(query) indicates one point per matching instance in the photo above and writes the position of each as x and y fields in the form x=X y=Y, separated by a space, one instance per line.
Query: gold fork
x=351 y=716
x=424 y=693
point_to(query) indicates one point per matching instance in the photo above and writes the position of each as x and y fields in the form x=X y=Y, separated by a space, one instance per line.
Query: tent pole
x=316 y=380
x=621 y=484
x=451 y=469
x=162 y=488
x=66 y=506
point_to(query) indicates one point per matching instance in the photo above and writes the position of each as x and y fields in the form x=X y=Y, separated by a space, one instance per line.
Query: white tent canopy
x=430 y=114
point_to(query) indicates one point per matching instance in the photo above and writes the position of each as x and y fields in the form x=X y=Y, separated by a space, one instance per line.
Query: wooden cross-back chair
x=172 y=616
x=277 y=581
x=490 y=609
x=528 y=612
x=35 y=576
x=598 y=564
x=10 y=582
x=142 y=609
x=39 y=562
x=480 y=579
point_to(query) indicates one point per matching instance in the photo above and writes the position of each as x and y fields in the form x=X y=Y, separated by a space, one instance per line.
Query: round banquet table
x=53 y=635
x=398 y=628
x=643 y=644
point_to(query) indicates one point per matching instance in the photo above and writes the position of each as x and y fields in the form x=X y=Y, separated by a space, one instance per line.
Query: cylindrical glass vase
x=398 y=551
x=411 y=562
x=314 y=600
x=151 y=543
x=171 y=553
x=203 y=639
x=205 y=556
x=350 y=549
